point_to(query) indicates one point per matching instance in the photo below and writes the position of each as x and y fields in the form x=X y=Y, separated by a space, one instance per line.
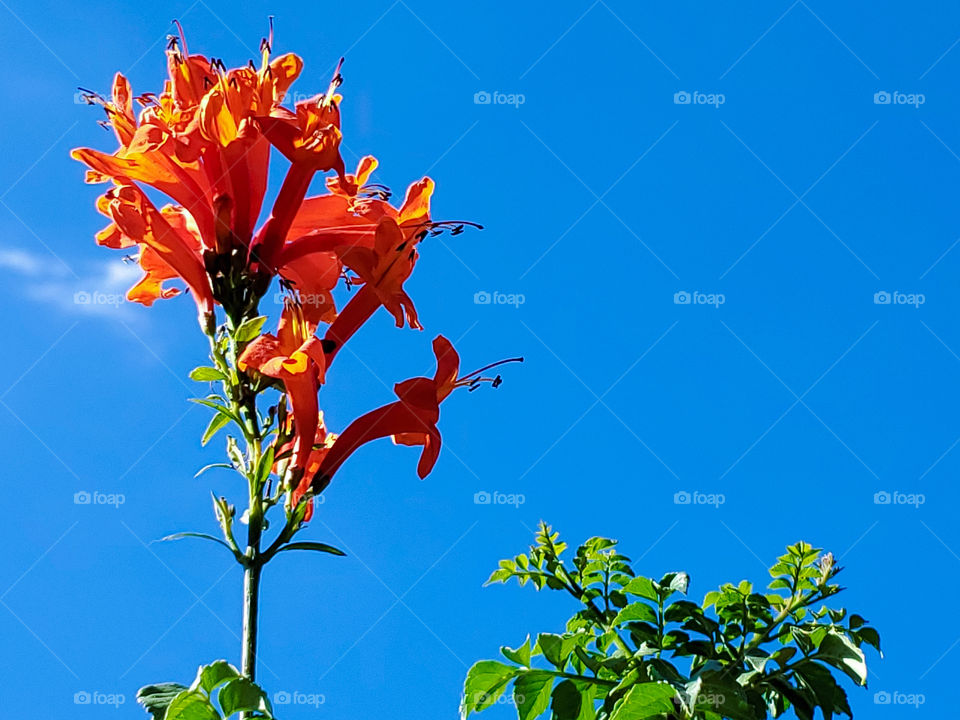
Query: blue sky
x=787 y=201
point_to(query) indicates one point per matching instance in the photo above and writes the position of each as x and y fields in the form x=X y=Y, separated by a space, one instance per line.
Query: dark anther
x=328 y=346
x=401 y=246
x=497 y=382
x=172 y=42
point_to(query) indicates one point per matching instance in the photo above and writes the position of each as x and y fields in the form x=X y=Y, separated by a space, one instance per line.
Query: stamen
x=489 y=367
x=183 y=38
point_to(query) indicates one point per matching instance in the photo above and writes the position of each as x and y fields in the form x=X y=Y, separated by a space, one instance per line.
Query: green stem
x=251 y=602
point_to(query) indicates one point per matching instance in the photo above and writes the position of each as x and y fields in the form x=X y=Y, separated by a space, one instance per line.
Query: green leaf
x=241 y=695
x=566 y=703
x=249 y=329
x=219 y=408
x=217 y=422
x=638 y=611
x=485 y=682
x=870 y=636
x=521 y=656
x=265 y=467
x=211 y=466
x=645 y=700
x=315 y=546
x=202 y=536
x=217 y=672
x=156 y=698
x=838 y=650
x=557 y=648
x=644 y=587
x=531 y=693
x=675 y=582
x=191 y=705
x=206 y=374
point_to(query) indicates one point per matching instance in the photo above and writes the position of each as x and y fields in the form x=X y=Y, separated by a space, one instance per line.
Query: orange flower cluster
x=205 y=142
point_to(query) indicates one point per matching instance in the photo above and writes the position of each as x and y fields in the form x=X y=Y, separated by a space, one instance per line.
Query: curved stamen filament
x=485 y=368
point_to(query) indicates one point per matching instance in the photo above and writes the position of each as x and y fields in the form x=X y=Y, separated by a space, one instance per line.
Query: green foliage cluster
x=637 y=648
x=218 y=692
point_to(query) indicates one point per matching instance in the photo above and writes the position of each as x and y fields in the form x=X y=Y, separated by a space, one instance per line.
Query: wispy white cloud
x=99 y=289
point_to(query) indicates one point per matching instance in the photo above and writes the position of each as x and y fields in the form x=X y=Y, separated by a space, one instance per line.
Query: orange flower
x=322 y=442
x=310 y=139
x=198 y=142
x=169 y=248
x=411 y=420
x=295 y=357
x=367 y=235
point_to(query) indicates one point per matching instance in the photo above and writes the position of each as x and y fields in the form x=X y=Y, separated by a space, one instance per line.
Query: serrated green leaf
x=644 y=587
x=566 y=701
x=241 y=695
x=156 y=698
x=521 y=656
x=645 y=700
x=531 y=693
x=485 y=682
x=838 y=650
x=217 y=672
x=191 y=705
x=634 y=612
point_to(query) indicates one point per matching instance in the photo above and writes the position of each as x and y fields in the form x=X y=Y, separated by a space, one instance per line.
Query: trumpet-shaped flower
x=295 y=357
